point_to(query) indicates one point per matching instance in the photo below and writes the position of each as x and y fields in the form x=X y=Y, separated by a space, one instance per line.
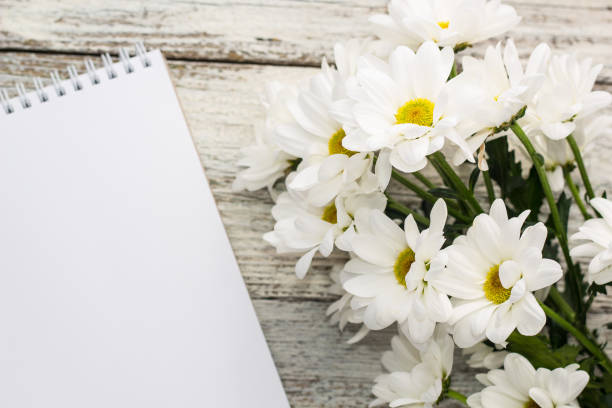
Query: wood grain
x=272 y=32
x=221 y=102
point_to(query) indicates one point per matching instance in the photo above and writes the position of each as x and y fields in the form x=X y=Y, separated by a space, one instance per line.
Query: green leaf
x=558 y=336
x=444 y=193
x=474 y=178
x=564 y=204
x=607 y=382
x=520 y=192
x=596 y=289
x=538 y=351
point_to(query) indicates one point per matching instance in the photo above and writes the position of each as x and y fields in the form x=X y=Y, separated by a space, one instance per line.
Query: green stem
x=427 y=196
x=453 y=72
x=394 y=205
x=456 y=181
x=563 y=306
x=427 y=182
x=575 y=193
x=589 y=301
x=456 y=396
x=554 y=211
x=591 y=347
x=489 y=184
x=580 y=163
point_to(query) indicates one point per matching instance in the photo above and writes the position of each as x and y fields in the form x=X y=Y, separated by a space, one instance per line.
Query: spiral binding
x=74 y=80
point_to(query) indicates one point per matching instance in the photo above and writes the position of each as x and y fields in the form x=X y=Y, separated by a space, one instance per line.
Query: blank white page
x=118 y=285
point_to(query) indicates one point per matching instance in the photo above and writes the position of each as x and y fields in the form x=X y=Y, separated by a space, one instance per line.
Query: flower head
x=265 y=161
x=597 y=233
x=566 y=96
x=501 y=87
x=315 y=136
x=401 y=106
x=415 y=375
x=449 y=23
x=492 y=272
x=391 y=269
x=519 y=385
x=304 y=228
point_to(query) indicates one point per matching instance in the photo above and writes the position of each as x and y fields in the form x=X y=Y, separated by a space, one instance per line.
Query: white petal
x=366 y=285
x=438 y=217
x=529 y=315
x=303 y=264
x=509 y=273
x=558 y=130
x=373 y=251
x=547 y=274
x=540 y=397
x=383 y=168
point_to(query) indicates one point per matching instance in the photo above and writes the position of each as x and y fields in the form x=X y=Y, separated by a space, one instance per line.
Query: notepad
x=118 y=285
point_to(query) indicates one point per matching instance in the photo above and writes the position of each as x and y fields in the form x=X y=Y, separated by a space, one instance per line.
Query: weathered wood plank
x=222 y=106
x=274 y=31
x=316 y=365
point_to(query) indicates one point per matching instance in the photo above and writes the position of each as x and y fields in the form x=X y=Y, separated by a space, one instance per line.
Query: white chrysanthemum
x=341 y=312
x=401 y=107
x=598 y=234
x=566 y=96
x=557 y=153
x=454 y=23
x=415 y=376
x=501 y=87
x=304 y=228
x=519 y=385
x=483 y=356
x=392 y=271
x=315 y=136
x=265 y=161
x=492 y=272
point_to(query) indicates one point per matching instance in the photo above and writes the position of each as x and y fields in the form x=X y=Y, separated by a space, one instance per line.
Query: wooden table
x=220 y=54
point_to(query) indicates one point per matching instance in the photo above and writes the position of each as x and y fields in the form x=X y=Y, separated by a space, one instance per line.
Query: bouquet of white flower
x=480 y=273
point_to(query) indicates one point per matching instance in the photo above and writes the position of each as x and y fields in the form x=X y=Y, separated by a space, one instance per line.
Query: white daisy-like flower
x=341 y=312
x=501 y=87
x=519 y=385
x=597 y=233
x=402 y=107
x=453 y=23
x=483 y=356
x=566 y=96
x=392 y=270
x=415 y=375
x=266 y=162
x=304 y=228
x=557 y=153
x=315 y=136
x=492 y=272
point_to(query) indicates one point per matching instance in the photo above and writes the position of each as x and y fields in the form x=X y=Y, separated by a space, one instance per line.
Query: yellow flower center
x=418 y=111
x=402 y=265
x=531 y=404
x=493 y=289
x=335 y=144
x=330 y=214
x=443 y=24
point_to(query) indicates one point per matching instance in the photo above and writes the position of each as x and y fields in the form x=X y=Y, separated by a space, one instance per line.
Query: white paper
x=118 y=285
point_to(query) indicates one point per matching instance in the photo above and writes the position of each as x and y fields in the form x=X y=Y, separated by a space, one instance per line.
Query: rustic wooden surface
x=220 y=55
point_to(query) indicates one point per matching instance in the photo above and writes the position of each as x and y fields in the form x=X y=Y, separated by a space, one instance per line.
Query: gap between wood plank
x=194 y=60
x=169 y=58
